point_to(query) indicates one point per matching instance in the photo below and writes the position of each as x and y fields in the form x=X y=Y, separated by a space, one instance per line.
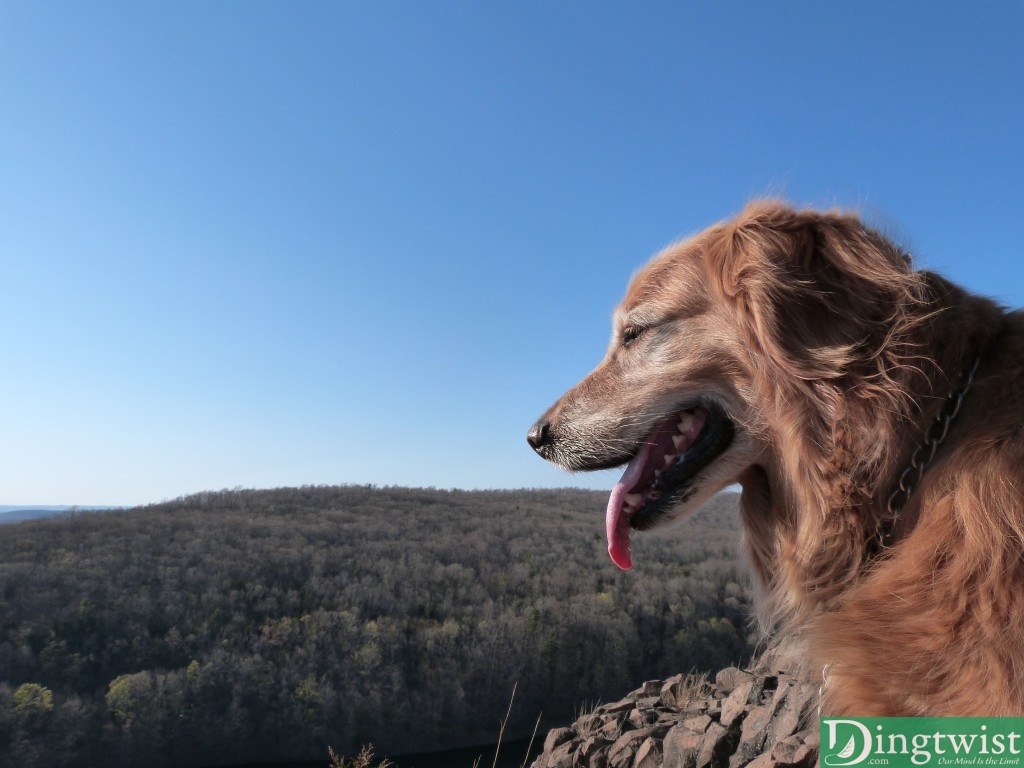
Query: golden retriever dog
x=874 y=417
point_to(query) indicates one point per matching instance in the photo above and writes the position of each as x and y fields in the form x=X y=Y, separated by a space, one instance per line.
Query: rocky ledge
x=760 y=717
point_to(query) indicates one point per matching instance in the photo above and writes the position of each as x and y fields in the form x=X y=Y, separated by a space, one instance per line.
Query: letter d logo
x=840 y=758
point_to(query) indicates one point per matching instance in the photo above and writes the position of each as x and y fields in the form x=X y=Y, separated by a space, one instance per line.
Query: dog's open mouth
x=661 y=474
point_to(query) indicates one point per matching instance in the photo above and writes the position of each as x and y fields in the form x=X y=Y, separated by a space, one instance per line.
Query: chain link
x=934 y=437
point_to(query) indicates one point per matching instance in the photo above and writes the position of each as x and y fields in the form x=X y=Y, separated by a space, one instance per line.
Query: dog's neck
x=828 y=508
x=953 y=344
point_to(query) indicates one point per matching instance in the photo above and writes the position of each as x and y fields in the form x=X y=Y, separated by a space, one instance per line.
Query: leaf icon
x=847 y=750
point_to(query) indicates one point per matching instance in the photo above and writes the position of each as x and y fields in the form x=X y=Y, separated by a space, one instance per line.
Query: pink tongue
x=616 y=522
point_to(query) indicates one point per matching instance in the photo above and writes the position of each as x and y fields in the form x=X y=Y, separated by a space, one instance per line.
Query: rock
x=715 y=748
x=561 y=756
x=557 y=737
x=698 y=724
x=793 y=752
x=642 y=716
x=611 y=729
x=649 y=755
x=754 y=733
x=680 y=747
x=650 y=688
x=727 y=679
x=764 y=688
x=812 y=737
x=734 y=708
x=761 y=761
x=591 y=747
x=621 y=753
x=622 y=705
x=788 y=657
x=588 y=724
x=760 y=717
x=668 y=718
x=681 y=691
x=794 y=705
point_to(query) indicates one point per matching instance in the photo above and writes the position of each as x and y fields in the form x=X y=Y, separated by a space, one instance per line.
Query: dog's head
x=730 y=358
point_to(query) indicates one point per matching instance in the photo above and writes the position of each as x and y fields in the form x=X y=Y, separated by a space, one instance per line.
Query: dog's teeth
x=657 y=474
x=634 y=499
x=677 y=440
x=668 y=461
x=685 y=422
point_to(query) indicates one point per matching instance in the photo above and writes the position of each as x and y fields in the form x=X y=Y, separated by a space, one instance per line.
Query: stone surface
x=754 y=733
x=622 y=705
x=731 y=677
x=622 y=752
x=649 y=755
x=734 y=707
x=588 y=724
x=698 y=724
x=556 y=737
x=561 y=756
x=761 y=717
x=714 y=749
x=794 y=752
x=681 y=747
x=651 y=688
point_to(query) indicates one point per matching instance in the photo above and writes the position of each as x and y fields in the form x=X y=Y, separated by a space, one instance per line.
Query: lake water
x=512 y=755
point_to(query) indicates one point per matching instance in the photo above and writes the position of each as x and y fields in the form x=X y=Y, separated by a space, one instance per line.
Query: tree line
x=242 y=626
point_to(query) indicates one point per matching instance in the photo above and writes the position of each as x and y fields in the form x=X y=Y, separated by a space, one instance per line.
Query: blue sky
x=266 y=244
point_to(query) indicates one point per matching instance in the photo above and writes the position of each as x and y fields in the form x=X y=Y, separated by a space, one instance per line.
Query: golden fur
x=832 y=357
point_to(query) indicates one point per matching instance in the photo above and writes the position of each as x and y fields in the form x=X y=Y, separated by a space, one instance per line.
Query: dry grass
x=363 y=760
x=501 y=735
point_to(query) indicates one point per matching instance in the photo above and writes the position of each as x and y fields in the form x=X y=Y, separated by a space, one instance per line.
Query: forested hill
x=245 y=626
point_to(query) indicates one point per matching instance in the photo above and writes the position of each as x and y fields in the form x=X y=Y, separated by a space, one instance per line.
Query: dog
x=873 y=416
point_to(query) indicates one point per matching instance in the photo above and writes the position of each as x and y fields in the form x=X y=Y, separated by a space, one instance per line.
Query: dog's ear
x=815 y=292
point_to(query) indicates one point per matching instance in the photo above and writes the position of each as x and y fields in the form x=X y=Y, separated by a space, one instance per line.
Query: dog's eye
x=630 y=334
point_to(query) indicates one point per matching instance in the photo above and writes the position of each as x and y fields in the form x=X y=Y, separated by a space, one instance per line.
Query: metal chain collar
x=821 y=688
x=925 y=452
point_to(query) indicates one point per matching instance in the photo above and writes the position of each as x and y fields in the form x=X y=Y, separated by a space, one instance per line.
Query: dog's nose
x=539 y=435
